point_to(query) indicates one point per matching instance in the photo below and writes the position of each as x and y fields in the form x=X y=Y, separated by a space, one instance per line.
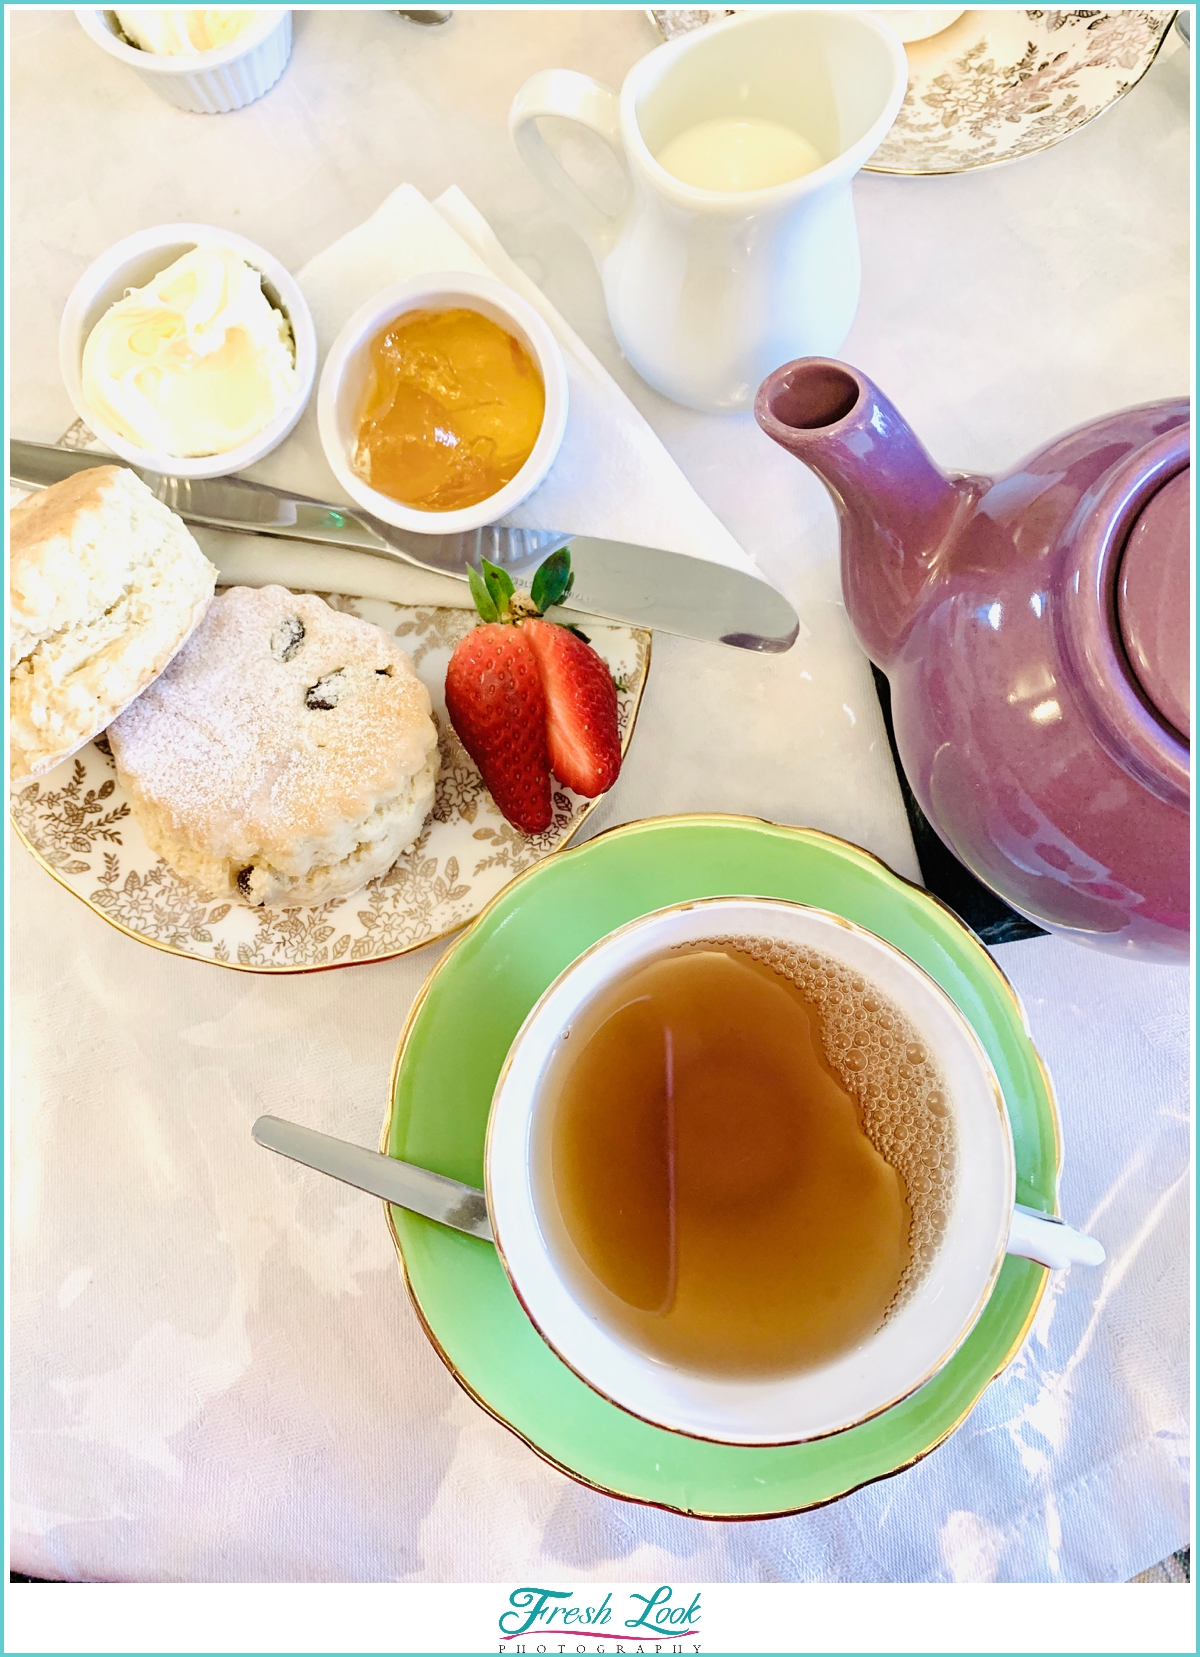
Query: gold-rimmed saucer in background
x=1000 y=84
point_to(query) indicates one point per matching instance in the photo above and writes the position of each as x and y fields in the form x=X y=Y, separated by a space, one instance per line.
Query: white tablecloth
x=216 y=1374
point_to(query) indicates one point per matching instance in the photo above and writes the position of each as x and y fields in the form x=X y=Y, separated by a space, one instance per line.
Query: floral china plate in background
x=998 y=84
x=442 y=1086
x=77 y=822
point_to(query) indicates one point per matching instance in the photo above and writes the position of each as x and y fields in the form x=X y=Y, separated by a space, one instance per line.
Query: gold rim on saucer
x=1018 y=1339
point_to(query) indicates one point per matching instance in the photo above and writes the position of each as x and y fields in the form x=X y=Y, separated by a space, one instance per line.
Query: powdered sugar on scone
x=288 y=748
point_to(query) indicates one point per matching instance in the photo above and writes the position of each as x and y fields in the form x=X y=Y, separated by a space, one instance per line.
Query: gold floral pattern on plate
x=998 y=84
x=78 y=823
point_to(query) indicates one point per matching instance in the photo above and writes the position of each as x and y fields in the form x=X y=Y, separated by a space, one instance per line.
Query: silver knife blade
x=649 y=587
x=448 y=1201
x=617 y=580
x=218 y=503
x=641 y=586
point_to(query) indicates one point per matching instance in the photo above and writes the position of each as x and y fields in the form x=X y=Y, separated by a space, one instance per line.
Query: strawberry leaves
x=553 y=581
x=496 y=598
x=499 y=585
x=491 y=588
x=484 y=601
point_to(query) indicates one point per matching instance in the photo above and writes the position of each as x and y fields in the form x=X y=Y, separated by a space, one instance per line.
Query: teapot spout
x=896 y=510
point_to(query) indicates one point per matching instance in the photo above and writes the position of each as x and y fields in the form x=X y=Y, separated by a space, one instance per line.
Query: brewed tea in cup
x=749 y=1171
x=750 y=1154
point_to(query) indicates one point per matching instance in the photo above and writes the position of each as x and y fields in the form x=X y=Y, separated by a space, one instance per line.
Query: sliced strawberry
x=581 y=709
x=495 y=701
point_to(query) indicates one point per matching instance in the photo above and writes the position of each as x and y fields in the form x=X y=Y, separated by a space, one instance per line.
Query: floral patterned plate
x=77 y=823
x=1000 y=84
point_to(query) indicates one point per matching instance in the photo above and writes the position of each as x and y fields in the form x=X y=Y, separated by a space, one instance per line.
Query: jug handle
x=1046 y=1239
x=571 y=97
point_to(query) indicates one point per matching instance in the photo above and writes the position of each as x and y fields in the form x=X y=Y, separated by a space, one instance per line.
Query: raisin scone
x=287 y=756
x=105 y=584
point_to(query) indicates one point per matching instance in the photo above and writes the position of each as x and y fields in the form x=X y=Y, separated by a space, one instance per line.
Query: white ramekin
x=132 y=263
x=206 y=83
x=339 y=395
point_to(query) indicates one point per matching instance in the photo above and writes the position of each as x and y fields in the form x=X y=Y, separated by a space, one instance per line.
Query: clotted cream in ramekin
x=236 y=308
x=197 y=362
x=212 y=82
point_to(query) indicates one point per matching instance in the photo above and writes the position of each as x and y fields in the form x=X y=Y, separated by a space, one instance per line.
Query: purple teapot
x=1035 y=630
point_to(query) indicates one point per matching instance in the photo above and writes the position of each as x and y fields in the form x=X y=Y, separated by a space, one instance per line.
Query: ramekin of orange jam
x=450 y=412
x=442 y=403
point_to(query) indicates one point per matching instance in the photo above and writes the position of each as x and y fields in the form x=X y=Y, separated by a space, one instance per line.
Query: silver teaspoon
x=447 y=1201
x=1041 y=1237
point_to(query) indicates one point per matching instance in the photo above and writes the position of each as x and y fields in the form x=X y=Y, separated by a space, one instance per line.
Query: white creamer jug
x=708 y=290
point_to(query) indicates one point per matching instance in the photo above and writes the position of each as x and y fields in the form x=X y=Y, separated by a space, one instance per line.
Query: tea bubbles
x=882 y=1061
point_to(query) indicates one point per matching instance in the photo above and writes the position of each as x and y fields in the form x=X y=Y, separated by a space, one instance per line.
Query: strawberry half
x=495 y=702
x=581 y=709
x=527 y=696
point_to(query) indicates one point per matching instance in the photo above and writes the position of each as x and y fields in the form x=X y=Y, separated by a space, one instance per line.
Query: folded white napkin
x=612 y=477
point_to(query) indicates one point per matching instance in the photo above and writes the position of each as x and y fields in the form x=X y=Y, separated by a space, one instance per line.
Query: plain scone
x=105 y=585
x=287 y=756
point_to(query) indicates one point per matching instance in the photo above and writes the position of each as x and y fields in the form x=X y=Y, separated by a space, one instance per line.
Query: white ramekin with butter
x=188 y=350
x=207 y=62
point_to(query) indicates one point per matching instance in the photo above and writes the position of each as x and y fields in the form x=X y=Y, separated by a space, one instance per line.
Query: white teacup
x=708 y=289
x=918 y=1337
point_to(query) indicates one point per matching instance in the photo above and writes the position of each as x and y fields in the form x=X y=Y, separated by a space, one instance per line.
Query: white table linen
x=216 y=1374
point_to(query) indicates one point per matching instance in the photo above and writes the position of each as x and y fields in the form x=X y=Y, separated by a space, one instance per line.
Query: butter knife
x=639 y=586
x=446 y=1200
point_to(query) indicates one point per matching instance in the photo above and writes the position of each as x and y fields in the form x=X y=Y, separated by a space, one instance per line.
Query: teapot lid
x=1154 y=601
x=1125 y=642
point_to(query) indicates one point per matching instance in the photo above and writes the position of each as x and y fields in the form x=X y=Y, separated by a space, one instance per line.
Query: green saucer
x=450 y=1055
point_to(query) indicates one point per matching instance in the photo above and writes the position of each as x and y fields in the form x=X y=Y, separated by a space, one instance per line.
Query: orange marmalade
x=451 y=411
